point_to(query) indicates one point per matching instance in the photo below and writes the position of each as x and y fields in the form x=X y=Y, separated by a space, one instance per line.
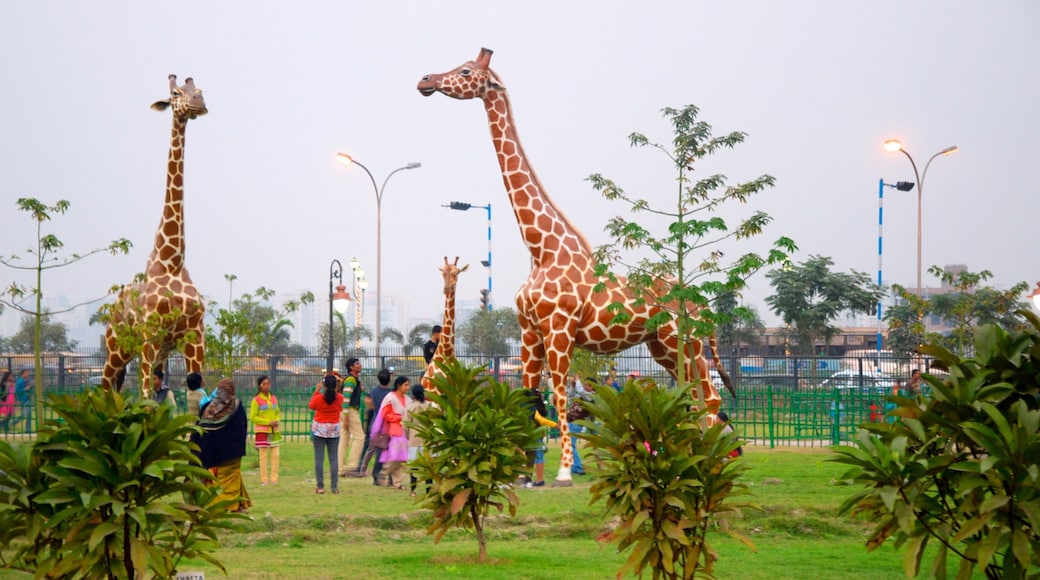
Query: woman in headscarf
x=223 y=444
x=392 y=412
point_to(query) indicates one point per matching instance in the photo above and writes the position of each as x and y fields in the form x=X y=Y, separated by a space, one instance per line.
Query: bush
x=962 y=465
x=475 y=437
x=666 y=478
x=110 y=490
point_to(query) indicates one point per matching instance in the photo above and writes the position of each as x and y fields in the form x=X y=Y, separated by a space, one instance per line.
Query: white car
x=866 y=382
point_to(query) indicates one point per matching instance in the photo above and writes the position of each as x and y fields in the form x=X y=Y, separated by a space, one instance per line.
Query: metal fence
x=782 y=401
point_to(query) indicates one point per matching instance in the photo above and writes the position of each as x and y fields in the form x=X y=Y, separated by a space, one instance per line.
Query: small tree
x=737 y=324
x=664 y=478
x=809 y=296
x=44 y=257
x=490 y=332
x=417 y=337
x=111 y=491
x=247 y=327
x=966 y=303
x=54 y=336
x=960 y=467
x=475 y=439
x=684 y=274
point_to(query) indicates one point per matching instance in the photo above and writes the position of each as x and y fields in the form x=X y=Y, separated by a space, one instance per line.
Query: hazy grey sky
x=818 y=86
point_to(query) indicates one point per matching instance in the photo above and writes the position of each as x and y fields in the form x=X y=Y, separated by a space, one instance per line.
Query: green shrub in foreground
x=110 y=490
x=475 y=437
x=666 y=478
x=961 y=467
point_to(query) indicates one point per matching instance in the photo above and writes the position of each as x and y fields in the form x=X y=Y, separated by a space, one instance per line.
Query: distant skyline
x=817 y=86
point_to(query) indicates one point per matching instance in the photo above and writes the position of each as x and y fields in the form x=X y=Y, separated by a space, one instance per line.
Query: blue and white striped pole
x=490 y=293
x=880 y=222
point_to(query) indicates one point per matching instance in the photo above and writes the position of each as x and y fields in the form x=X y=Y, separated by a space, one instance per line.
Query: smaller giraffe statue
x=166 y=303
x=446 y=346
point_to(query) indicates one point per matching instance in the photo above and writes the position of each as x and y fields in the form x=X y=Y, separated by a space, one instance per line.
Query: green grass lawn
x=378 y=532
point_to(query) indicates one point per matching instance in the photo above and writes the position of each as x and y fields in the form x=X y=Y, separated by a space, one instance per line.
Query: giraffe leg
x=558 y=357
x=115 y=363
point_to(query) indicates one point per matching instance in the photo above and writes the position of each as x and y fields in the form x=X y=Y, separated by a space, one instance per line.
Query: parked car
x=867 y=382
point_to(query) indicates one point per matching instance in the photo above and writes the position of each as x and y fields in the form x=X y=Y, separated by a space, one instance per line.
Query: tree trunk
x=478 y=526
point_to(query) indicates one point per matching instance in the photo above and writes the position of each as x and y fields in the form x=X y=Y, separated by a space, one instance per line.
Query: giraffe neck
x=544 y=228
x=168 y=253
x=446 y=345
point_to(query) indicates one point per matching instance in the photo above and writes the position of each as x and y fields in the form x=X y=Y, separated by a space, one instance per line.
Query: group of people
x=16 y=400
x=370 y=424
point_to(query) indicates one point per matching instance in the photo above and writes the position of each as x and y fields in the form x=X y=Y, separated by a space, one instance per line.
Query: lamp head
x=950 y=150
x=893 y=145
x=413 y=165
x=904 y=185
x=344 y=158
x=340 y=299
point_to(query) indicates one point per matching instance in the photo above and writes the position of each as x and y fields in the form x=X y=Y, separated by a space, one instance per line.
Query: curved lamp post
x=348 y=160
x=894 y=145
x=338 y=300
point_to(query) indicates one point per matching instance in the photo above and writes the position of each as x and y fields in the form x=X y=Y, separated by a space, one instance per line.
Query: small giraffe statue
x=167 y=290
x=557 y=307
x=446 y=346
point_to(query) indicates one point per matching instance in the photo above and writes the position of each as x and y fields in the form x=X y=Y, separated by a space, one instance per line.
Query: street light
x=359 y=299
x=901 y=186
x=463 y=206
x=893 y=145
x=348 y=160
x=339 y=300
x=1036 y=296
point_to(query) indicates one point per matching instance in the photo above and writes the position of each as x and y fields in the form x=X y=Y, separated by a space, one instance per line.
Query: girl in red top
x=325 y=431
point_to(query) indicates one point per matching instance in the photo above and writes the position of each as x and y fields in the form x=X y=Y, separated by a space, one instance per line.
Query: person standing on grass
x=392 y=413
x=352 y=432
x=327 y=405
x=222 y=444
x=267 y=432
x=430 y=348
x=23 y=389
x=416 y=404
x=195 y=393
x=373 y=403
x=6 y=399
x=913 y=387
x=536 y=458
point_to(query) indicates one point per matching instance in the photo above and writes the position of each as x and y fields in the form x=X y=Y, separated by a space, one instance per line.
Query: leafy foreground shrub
x=666 y=478
x=475 y=437
x=111 y=490
x=961 y=467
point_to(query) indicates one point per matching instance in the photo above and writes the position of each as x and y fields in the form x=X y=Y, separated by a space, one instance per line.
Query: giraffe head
x=451 y=273
x=186 y=100
x=471 y=80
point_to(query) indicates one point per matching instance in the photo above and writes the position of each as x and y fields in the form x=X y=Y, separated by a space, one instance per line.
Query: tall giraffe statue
x=557 y=307
x=167 y=295
x=446 y=345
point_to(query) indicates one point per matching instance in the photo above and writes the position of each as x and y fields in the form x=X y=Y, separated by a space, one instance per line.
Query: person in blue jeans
x=577 y=391
x=24 y=393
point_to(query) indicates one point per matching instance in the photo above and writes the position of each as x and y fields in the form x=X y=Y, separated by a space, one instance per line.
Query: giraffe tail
x=718 y=365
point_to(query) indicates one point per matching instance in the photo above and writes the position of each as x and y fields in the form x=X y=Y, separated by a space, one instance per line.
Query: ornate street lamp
x=338 y=300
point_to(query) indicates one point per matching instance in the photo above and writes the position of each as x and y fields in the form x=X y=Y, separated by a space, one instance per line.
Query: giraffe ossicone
x=446 y=345
x=557 y=306
x=166 y=303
